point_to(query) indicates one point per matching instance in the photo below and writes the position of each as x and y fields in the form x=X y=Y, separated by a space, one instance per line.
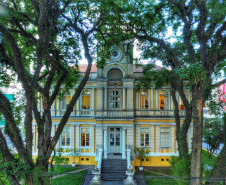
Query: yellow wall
x=154 y=161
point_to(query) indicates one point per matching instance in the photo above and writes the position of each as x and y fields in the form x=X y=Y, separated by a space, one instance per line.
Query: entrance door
x=115 y=138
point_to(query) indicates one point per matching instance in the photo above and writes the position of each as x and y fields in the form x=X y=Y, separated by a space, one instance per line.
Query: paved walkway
x=139 y=177
x=71 y=172
x=89 y=176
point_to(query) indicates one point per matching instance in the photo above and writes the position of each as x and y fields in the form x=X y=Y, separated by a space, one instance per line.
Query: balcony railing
x=114 y=113
x=117 y=113
x=158 y=113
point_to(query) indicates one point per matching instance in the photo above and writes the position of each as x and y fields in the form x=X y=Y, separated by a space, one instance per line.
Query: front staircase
x=113 y=170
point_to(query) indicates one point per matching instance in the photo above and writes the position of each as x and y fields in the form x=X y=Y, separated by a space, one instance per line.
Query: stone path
x=71 y=172
x=88 y=177
x=139 y=177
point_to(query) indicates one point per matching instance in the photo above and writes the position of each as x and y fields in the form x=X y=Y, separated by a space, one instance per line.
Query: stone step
x=113 y=170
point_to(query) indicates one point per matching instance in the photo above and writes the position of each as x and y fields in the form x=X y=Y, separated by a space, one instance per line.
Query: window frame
x=68 y=127
x=160 y=139
x=81 y=106
x=142 y=96
x=149 y=137
x=165 y=92
x=80 y=143
x=111 y=100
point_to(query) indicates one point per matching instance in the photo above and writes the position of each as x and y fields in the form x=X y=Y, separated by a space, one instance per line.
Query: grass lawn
x=74 y=179
x=158 y=179
x=63 y=169
x=206 y=159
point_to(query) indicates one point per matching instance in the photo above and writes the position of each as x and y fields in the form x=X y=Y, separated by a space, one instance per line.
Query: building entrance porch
x=114 y=142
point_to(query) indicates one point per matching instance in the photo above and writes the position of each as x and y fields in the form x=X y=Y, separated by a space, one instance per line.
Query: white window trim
x=148 y=99
x=109 y=99
x=70 y=138
x=169 y=99
x=81 y=98
x=160 y=138
x=149 y=137
x=80 y=129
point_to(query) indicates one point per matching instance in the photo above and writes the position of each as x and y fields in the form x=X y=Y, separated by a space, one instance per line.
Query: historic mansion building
x=112 y=116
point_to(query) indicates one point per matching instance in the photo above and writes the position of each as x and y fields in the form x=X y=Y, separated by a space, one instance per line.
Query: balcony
x=158 y=113
x=115 y=113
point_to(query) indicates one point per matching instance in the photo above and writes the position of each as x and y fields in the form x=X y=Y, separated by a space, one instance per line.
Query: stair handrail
x=100 y=151
x=129 y=166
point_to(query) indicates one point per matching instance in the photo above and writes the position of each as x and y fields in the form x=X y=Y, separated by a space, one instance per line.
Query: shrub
x=180 y=168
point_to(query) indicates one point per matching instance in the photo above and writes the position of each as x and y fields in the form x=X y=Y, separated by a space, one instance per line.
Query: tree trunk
x=196 y=161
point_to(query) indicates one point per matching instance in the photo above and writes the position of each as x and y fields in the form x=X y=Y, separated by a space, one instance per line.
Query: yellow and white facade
x=112 y=116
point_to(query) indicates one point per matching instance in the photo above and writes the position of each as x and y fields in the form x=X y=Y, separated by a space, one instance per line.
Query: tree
x=197 y=49
x=45 y=36
x=213 y=134
x=159 y=79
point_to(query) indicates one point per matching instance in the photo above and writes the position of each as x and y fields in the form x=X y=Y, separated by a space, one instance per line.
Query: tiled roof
x=83 y=67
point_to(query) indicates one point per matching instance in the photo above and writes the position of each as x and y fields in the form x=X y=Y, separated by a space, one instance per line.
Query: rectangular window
x=65 y=137
x=164 y=137
x=85 y=135
x=144 y=137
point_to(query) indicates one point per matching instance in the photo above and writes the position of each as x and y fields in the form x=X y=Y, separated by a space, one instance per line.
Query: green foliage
x=180 y=168
x=16 y=168
x=59 y=159
x=151 y=78
x=213 y=133
x=141 y=154
x=194 y=73
x=40 y=173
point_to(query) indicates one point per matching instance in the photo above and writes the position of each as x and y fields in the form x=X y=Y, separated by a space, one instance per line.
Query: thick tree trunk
x=181 y=132
x=196 y=161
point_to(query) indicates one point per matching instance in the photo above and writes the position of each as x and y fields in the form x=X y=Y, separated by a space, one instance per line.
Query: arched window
x=115 y=74
x=164 y=100
x=144 y=100
x=86 y=99
x=115 y=99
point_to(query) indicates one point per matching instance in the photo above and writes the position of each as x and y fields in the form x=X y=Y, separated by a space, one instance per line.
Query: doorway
x=115 y=140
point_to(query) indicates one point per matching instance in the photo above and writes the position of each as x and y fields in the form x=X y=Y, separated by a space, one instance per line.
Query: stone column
x=171 y=103
x=151 y=99
x=105 y=98
x=136 y=100
x=152 y=138
x=172 y=138
x=157 y=138
x=157 y=100
x=99 y=100
x=105 y=143
x=78 y=105
x=77 y=144
x=149 y=102
x=124 y=98
x=123 y=143
x=93 y=98
x=93 y=101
